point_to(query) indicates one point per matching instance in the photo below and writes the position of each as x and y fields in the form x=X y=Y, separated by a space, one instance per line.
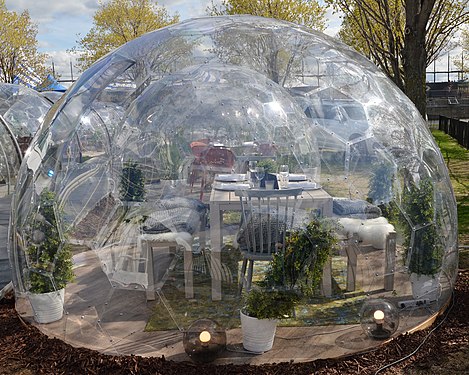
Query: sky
x=61 y=23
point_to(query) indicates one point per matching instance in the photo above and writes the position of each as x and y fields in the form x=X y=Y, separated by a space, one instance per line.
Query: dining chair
x=171 y=223
x=212 y=161
x=267 y=215
x=199 y=147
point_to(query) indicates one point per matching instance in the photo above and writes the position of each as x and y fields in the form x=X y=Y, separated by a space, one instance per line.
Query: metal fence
x=455 y=128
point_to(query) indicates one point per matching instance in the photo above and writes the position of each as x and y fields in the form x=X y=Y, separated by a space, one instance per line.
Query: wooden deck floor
x=97 y=317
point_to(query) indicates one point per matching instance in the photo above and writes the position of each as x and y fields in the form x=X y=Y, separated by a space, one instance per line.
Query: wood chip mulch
x=25 y=350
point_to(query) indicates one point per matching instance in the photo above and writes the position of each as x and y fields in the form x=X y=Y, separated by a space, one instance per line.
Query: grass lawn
x=457 y=160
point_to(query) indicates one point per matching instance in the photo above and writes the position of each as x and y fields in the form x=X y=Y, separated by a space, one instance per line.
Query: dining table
x=223 y=198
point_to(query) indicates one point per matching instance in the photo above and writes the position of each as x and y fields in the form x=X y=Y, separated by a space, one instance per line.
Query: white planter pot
x=47 y=307
x=258 y=334
x=426 y=287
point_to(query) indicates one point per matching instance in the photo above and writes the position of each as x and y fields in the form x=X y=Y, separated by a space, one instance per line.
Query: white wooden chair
x=171 y=240
x=266 y=217
x=171 y=224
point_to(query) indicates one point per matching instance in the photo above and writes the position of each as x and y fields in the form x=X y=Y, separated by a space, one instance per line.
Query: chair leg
x=242 y=276
x=151 y=294
x=202 y=186
x=250 y=272
x=186 y=245
x=188 y=274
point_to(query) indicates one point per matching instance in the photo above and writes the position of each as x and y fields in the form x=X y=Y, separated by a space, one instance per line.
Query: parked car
x=340 y=125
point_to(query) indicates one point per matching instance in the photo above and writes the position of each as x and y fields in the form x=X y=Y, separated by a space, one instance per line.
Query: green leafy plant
x=49 y=255
x=270 y=165
x=132 y=183
x=295 y=271
x=380 y=191
x=380 y=184
x=423 y=250
x=300 y=264
x=270 y=303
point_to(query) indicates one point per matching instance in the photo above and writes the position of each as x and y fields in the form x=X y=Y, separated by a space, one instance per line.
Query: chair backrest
x=267 y=215
x=219 y=158
x=199 y=147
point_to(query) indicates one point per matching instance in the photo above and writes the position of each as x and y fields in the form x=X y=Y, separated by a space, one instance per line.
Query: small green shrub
x=270 y=165
x=294 y=272
x=380 y=184
x=49 y=256
x=423 y=250
x=300 y=265
x=132 y=183
x=270 y=303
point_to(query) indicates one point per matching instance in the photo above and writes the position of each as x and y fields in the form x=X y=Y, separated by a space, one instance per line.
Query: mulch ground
x=440 y=349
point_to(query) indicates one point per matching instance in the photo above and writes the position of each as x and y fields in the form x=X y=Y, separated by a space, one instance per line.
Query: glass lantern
x=379 y=319
x=204 y=340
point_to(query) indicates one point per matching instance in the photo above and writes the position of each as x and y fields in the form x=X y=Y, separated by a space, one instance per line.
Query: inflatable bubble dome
x=225 y=160
x=22 y=111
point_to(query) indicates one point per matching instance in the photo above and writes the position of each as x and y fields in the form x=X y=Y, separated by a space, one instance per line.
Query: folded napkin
x=297 y=177
x=306 y=185
x=231 y=187
x=233 y=177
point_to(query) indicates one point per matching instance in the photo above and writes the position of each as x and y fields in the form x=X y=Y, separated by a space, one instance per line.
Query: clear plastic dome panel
x=22 y=111
x=153 y=160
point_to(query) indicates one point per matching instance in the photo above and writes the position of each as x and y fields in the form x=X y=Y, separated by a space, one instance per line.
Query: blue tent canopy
x=54 y=85
x=49 y=84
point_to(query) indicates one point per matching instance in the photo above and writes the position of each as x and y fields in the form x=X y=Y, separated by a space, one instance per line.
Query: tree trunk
x=415 y=53
x=414 y=72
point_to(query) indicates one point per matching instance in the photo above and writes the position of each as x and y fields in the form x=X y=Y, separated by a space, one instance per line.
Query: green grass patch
x=449 y=147
x=457 y=161
x=174 y=311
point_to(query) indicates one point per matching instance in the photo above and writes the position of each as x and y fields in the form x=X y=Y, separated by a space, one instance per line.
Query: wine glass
x=260 y=174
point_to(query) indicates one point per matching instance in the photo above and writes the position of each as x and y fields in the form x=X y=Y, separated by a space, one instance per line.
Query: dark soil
x=440 y=349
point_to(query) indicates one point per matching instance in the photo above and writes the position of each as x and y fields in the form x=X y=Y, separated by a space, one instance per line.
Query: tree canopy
x=402 y=37
x=116 y=23
x=462 y=62
x=19 y=56
x=304 y=12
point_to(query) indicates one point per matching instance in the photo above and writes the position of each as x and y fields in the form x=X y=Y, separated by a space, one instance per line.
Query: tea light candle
x=378 y=317
x=205 y=337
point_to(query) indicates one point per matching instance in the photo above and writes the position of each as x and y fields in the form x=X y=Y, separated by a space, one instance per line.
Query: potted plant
x=263 y=306
x=49 y=259
x=294 y=273
x=423 y=249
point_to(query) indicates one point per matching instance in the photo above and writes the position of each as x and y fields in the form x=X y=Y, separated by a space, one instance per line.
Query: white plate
x=233 y=177
x=230 y=187
x=306 y=185
x=297 y=177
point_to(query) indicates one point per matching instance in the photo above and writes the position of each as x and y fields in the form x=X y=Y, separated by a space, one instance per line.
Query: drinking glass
x=283 y=173
x=251 y=171
x=260 y=174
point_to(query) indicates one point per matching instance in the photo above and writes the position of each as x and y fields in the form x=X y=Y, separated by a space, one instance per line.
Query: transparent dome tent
x=139 y=177
x=22 y=111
